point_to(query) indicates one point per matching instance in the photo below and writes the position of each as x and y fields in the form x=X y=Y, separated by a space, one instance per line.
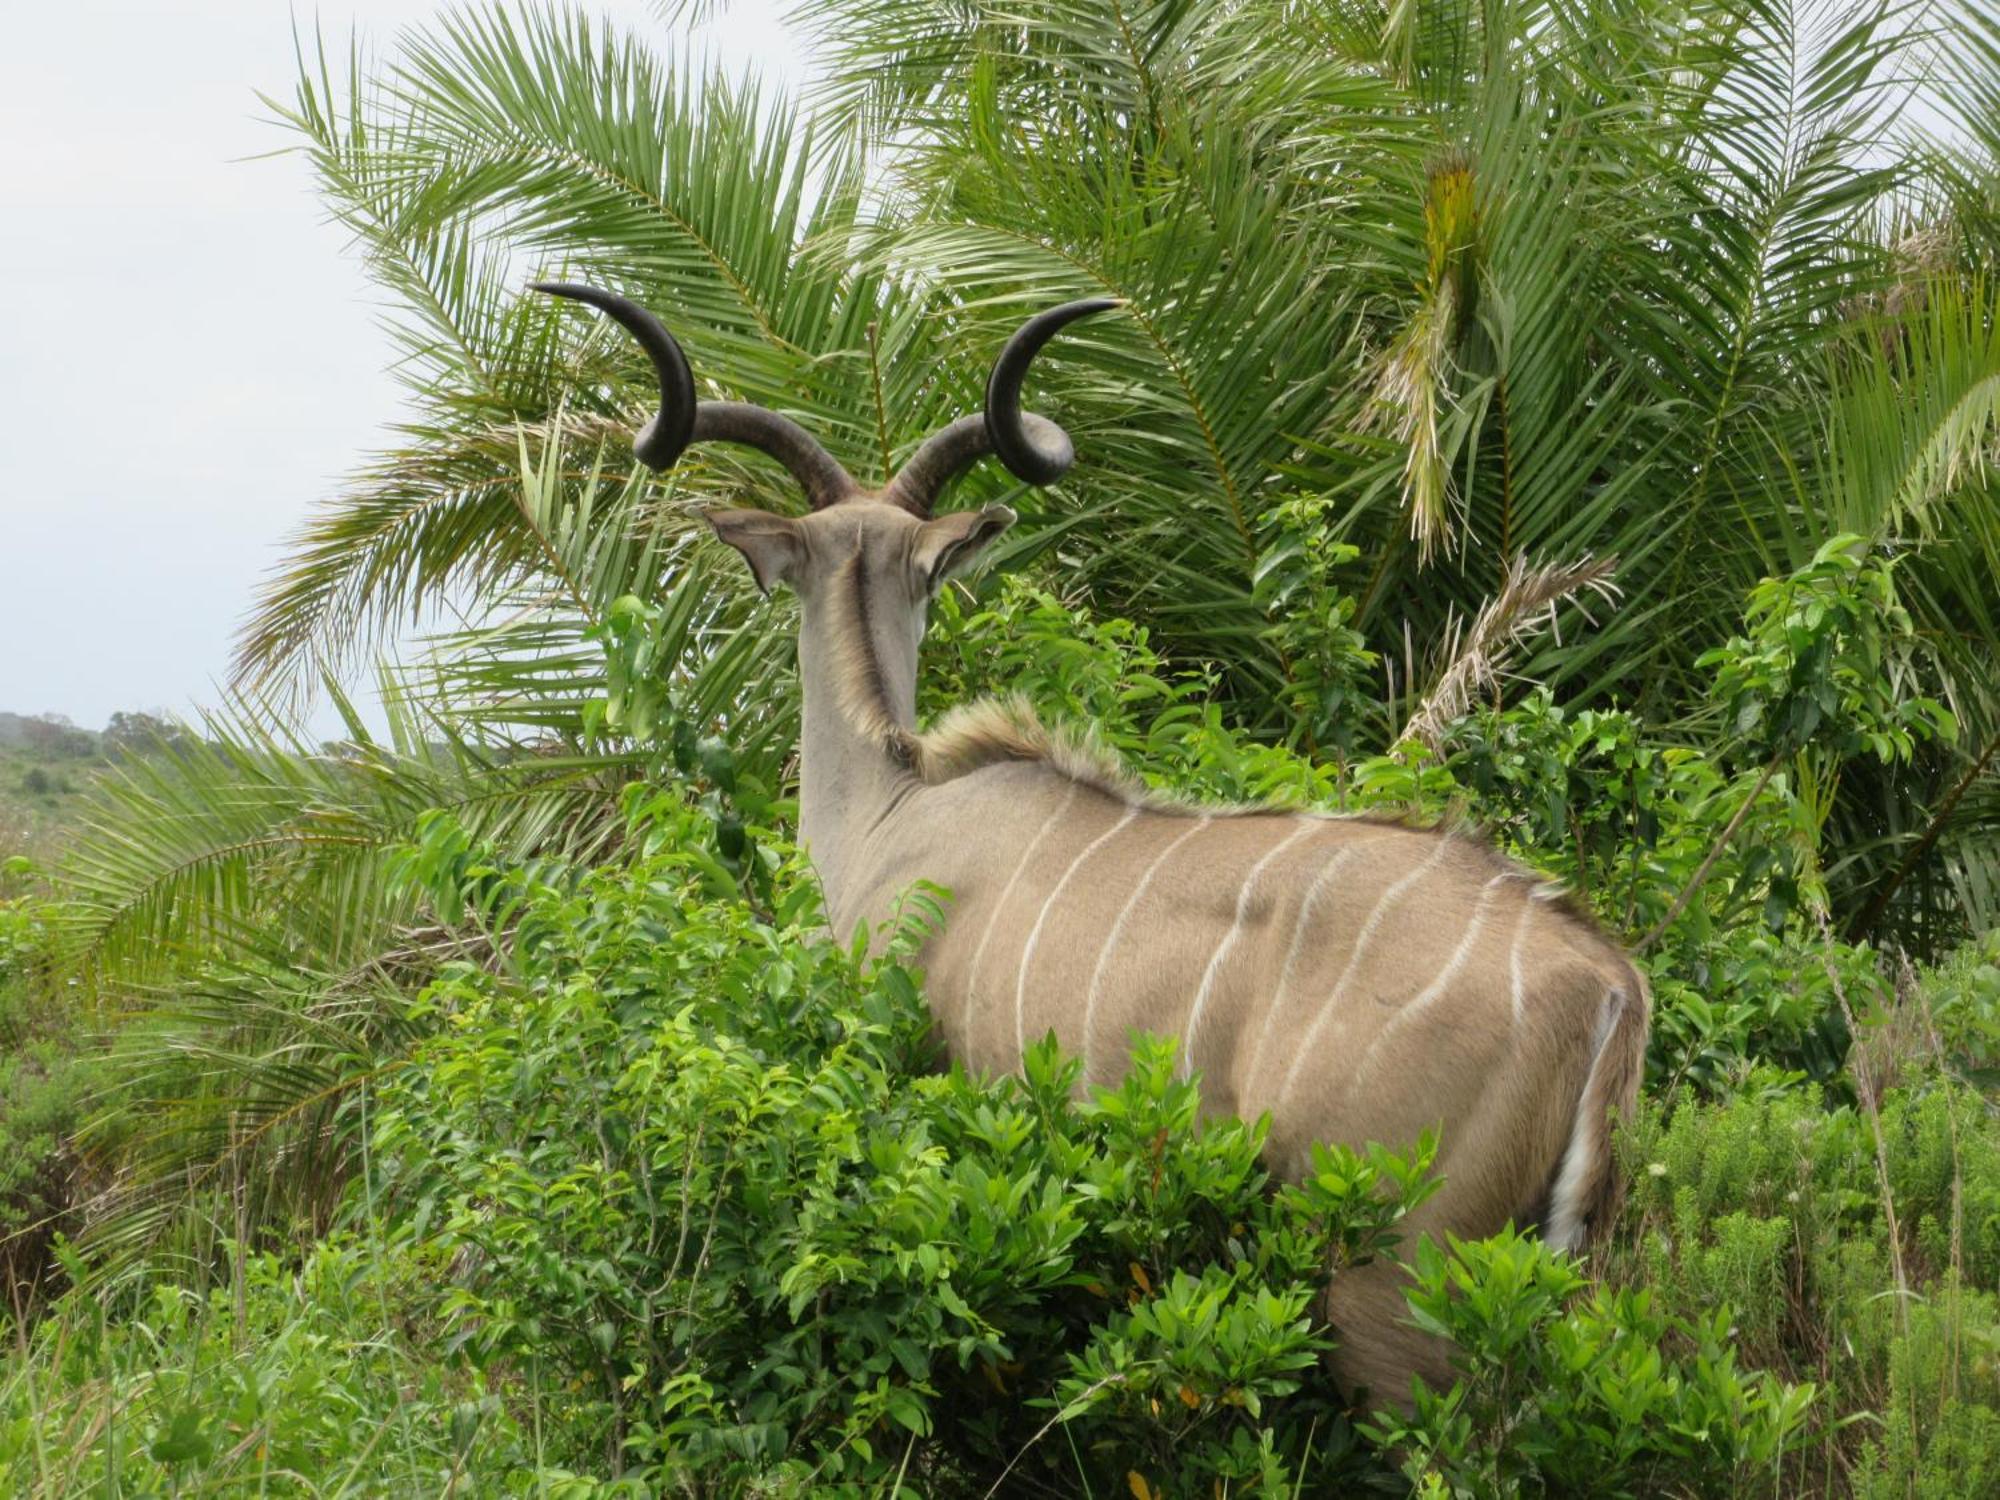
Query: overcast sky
x=190 y=356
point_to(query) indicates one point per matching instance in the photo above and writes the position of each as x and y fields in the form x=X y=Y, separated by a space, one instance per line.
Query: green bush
x=294 y=1379
x=1605 y=1394
x=1775 y=1203
x=696 y=1172
x=1962 y=1000
x=670 y=1199
x=45 y=1078
x=690 y=1167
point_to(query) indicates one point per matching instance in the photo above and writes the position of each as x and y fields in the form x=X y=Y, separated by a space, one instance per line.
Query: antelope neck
x=858 y=680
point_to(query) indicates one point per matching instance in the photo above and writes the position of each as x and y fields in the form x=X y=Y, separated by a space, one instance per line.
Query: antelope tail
x=1583 y=1200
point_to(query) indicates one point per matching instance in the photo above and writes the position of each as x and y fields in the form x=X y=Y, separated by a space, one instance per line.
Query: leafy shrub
x=1962 y=999
x=1780 y=1205
x=693 y=1171
x=45 y=1075
x=1813 y=665
x=43 y=1093
x=296 y=1379
x=1604 y=1395
x=1938 y=1436
x=1747 y=997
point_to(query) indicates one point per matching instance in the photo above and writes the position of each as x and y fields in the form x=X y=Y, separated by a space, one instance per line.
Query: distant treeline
x=56 y=737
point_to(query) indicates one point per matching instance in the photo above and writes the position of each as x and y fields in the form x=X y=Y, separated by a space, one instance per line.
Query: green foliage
x=1815 y=666
x=665 y=1197
x=700 y=1177
x=1080 y=670
x=1964 y=1006
x=1582 y=1395
x=1939 y=1436
x=291 y=1380
x=43 y=1094
x=1311 y=624
x=1398 y=309
x=46 y=1071
x=1779 y=1206
x=1749 y=996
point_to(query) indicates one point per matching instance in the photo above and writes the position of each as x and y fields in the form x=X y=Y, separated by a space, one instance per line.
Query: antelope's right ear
x=770 y=544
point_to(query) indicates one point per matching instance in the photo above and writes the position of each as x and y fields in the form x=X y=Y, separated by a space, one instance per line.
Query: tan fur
x=991 y=731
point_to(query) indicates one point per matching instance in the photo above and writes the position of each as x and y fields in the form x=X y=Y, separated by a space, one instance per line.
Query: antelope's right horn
x=1033 y=448
x=682 y=419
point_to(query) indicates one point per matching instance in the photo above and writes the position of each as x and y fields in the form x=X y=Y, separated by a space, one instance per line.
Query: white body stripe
x=972 y=974
x=1229 y=941
x=1361 y=941
x=1517 y=989
x=1429 y=996
x=1300 y=927
x=1118 y=928
x=1035 y=932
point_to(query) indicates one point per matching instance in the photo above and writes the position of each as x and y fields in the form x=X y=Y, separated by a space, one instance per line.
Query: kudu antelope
x=1361 y=980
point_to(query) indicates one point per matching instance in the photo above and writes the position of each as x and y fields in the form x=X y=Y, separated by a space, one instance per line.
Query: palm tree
x=1466 y=283
x=1478 y=281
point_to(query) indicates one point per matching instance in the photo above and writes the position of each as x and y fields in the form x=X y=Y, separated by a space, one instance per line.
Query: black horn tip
x=1034 y=450
x=661 y=441
x=1043 y=454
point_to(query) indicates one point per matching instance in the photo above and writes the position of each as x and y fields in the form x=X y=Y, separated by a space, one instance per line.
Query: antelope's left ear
x=950 y=542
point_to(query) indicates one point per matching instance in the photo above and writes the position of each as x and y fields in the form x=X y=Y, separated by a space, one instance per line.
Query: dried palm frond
x=1414 y=387
x=1473 y=660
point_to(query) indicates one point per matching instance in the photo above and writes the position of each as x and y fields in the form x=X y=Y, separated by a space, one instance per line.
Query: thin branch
x=1872 y=913
x=1700 y=876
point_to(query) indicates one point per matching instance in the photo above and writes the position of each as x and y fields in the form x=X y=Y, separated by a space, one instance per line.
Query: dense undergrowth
x=672 y=1200
x=665 y=1193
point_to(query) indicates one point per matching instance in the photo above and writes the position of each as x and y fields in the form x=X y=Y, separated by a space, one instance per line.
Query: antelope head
x=864 y=563
x=902 y=550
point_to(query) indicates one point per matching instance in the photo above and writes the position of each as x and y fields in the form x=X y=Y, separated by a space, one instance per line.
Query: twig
x=1864 y=1090
x=1715 y=852
x=1872 y=913
x=1114 y=1379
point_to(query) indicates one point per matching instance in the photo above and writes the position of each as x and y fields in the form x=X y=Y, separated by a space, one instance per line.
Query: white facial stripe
x=1361 y=941
x=1118 y=926
x=1229 y=940
x=1035 y=933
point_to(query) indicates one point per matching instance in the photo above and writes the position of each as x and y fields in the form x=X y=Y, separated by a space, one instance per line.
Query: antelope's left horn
x=665 y=438
x=1033 y=448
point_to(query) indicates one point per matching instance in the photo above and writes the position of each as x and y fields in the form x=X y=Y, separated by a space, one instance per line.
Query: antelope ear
x=950 y=542
x=770 y=544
